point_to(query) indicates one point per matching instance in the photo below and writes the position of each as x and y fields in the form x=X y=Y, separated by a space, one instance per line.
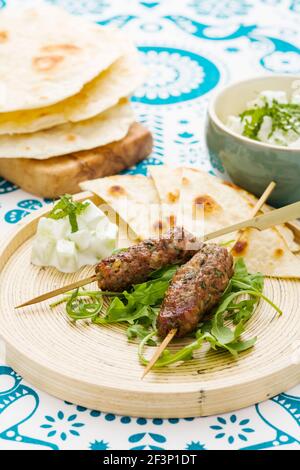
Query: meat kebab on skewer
x=171 y=249
x=133 y=265
x=195 y=289
x=186 y=301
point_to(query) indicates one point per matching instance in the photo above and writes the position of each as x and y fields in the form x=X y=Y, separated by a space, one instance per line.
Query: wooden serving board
x=60 y=175
x=96 y=367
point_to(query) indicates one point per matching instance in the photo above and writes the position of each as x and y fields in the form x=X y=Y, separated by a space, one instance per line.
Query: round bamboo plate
x=98 y=368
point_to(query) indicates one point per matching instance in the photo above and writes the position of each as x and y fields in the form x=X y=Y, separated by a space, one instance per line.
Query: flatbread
x=283 y=229
x=288 y=236
x=167 y=181
x=107 y=127
x=134 y=198
x=47 y=55
x=267 y=252
x=209 y=204
x=118 y=81
x=224 y=204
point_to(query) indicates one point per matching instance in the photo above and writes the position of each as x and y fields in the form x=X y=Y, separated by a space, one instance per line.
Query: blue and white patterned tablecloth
x=190 y=47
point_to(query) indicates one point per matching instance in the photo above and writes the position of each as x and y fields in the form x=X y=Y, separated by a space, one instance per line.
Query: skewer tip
x=159 y=350
x=20 y=306
x=61 y=290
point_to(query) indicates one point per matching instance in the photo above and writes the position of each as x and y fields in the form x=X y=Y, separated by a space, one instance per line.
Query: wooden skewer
x=263 y=199
x=159 y=350
x=59 y=291
x=275 y=217
x=173 y=332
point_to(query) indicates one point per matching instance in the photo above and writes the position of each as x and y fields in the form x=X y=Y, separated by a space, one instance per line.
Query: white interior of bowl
x=233 y=99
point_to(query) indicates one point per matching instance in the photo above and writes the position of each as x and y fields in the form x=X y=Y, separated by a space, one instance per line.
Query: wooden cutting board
x=60 y=175
x=97 y=367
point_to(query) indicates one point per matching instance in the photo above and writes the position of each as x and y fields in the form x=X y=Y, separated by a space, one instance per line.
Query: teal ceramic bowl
x=251 y=164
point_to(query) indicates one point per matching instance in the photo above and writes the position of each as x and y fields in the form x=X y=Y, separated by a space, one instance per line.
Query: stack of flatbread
x=64 y=83
x=172 y=196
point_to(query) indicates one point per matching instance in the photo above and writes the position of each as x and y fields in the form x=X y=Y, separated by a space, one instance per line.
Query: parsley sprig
x=285 y=117
x=139 y=306
x=66 y=207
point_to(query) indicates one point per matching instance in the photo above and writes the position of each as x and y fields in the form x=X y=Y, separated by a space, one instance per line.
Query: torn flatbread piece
x=283 y=229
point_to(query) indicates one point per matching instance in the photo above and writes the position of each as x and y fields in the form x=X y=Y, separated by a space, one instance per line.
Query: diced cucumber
x=55 y=229
x=67 y=256
x=82 y=239
x=42 y=250
x=90 y=216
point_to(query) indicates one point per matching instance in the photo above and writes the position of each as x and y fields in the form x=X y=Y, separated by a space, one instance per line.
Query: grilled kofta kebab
x=134 y=264
x=195 y=289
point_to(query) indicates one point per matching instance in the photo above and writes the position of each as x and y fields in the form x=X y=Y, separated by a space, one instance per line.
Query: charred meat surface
x=134 y=265
x=195 y=289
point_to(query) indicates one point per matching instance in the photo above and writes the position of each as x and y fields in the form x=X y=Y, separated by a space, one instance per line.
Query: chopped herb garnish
x=66 y=207
x=116 y=251
x=285 y=117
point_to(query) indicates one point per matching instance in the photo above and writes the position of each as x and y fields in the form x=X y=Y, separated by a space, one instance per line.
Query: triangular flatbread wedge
x=134 y=198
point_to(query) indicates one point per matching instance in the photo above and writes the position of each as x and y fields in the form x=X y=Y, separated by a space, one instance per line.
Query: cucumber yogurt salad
x=273 y=117
x=74 y=234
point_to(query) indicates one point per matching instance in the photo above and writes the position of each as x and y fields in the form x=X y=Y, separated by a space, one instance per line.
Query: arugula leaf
x=120 y=312
x=139 y=308
x=223 y=334
x=240 y=346
x=139 y=331
x=240 y=268
x=148 y=293
x=79 y=309
x=66 y=207
x=164 y=274
x=228 y=321
x=167 y=358
x=141 y=304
